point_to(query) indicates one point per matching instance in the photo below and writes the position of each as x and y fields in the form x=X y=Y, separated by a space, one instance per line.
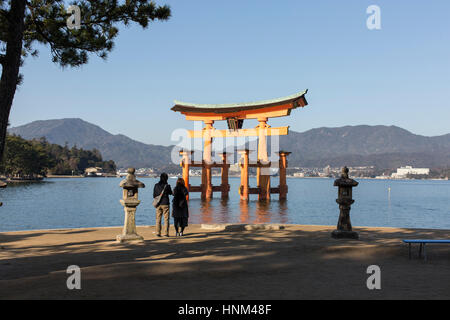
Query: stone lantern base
x=342 y=234
x=129 y=232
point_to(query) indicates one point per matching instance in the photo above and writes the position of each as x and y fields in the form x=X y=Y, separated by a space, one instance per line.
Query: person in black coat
x=180 y=209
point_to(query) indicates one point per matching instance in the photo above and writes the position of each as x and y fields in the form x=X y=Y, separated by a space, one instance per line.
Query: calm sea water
x=75 y=203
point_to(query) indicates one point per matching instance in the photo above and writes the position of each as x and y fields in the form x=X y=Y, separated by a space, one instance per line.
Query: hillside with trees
x=124 y=151
x=29 y=159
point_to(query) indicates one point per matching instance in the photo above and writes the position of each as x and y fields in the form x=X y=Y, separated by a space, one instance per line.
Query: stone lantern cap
x=131 y=182
x=344 y=180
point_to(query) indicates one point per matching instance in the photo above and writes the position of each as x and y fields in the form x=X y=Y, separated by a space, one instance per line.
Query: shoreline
x=62 y=176
x=231 y=224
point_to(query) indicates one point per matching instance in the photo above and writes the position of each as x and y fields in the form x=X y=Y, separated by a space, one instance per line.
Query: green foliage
x=46 y=23
x=25 y=158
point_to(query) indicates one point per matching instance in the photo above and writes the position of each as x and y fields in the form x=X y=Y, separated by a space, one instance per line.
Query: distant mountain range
x=123 y=150
x=380 y=146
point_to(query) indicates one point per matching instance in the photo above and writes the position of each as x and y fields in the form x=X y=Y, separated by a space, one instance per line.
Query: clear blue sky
x=235 y=51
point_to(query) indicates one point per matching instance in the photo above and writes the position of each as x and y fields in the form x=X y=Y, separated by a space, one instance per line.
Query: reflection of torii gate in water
x=235 y=114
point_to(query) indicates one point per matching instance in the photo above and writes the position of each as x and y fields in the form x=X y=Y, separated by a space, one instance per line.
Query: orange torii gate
x=235 y=114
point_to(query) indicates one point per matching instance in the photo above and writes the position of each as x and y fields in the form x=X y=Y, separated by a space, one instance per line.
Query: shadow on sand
x=293 y=263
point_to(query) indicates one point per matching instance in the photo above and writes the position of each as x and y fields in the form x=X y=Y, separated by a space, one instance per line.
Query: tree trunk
x=10 y=66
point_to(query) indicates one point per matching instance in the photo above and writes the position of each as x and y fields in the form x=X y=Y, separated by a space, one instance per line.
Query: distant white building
x=195 y=172
x=93 y=172
x=403 y=172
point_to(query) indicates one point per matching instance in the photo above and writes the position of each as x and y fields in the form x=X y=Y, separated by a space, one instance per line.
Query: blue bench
x=423 y=243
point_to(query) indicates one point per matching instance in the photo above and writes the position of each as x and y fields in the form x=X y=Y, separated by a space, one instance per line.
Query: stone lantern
x=130 y=201
x=344 y=227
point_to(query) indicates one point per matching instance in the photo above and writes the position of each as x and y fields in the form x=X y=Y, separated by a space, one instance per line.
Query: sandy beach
x=297 y=262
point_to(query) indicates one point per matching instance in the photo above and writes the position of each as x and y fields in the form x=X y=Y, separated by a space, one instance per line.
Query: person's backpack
x=157 y=200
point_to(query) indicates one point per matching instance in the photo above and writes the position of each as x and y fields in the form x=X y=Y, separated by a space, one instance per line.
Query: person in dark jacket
x=180 y=210
x=163 y=208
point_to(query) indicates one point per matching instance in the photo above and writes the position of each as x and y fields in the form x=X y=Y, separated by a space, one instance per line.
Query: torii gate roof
x=270 y=108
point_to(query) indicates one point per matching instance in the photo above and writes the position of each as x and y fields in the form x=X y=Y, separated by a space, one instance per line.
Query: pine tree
x=24 y=23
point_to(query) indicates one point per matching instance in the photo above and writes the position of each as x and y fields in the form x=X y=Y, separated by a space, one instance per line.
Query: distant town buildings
x=360 y=172
x=403 y=172
x=294 y=172
x=195 y=172
x=329 y=172
x=141 y=172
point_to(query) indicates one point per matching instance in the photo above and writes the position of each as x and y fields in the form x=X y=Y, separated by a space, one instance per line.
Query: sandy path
x=298 y=262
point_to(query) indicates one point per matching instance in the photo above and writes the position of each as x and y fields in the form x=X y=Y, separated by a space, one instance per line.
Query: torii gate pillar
x=225 y=186
x=263 y=173
x=244 y=189
x=185 y=164
x=207 y=189
x=282 y=167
